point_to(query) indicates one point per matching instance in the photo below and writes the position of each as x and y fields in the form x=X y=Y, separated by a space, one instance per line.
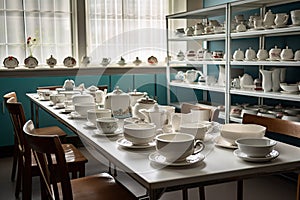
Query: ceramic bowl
x=107 y=124
x=82 y=98
x=289 y=87
x=94 y=114
x=198 y=130
x=256 y=147
x=232 y=132
x=82 y=108
x=139 y=134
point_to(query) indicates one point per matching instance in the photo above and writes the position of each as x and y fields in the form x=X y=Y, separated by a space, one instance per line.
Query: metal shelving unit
x=226 y=10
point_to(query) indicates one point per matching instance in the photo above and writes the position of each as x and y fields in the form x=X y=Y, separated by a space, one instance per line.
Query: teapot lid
x=136 y=93
x=117 y=91
x=146 y=100
x=92 y=88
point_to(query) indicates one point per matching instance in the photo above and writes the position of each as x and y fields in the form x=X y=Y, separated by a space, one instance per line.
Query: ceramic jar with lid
x=250 y=54
x=262 y=54
x=238 y=55
x=286 y=54
x=142 y=103
x=274 y=53
x=241 y=27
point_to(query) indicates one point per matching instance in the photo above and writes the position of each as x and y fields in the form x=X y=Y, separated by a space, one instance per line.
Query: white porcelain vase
x=266 y=80
x=276 y=79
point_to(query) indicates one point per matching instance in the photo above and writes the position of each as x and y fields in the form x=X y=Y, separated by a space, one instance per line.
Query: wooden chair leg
x=19 y=177
x=201 y=193
x=15 y=162
x=240 y=190
x=298 y=188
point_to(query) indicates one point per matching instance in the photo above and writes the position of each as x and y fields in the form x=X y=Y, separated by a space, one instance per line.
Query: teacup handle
x=201 y=146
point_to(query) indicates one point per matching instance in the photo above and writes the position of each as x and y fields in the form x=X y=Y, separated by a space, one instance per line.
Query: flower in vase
x=30 y=44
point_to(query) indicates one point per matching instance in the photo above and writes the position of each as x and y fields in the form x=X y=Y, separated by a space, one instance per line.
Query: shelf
x=198 y=62
x=198 y=85
x=268 y=63
x=244 y=5
x=272 y=95
x=21 y=71
x=204 y=37
x=232 y=119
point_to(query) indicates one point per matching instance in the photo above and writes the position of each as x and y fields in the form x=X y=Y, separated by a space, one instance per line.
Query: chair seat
x=102 y=186
x=51 y=130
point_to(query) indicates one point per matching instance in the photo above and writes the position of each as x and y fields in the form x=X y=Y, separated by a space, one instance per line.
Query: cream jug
x=119 y=103
x=155 y=115
x=281 y=19
x=269 y=19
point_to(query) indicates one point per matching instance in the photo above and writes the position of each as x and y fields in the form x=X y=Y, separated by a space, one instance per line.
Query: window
x=49 y=21
x=128 y=28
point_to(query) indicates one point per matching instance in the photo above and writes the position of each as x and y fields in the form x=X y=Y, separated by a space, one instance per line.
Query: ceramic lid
x=136 y=93
x=146 y=100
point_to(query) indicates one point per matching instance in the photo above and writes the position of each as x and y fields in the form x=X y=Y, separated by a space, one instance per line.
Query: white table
x=219 y=165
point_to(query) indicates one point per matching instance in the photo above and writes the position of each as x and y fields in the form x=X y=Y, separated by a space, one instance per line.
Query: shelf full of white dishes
x=292 y=63
x=273 y=95
x=198 y=85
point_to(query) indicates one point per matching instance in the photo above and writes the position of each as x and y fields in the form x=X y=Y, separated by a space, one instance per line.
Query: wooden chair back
x=283 y=130
x=45 y=148
x=9 y=95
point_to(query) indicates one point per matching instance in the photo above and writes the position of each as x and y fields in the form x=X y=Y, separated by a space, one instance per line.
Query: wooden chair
x=102 y=186
x=283 y=130
x=75 y=160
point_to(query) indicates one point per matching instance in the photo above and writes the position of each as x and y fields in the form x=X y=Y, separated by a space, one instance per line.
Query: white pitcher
x=266 y=80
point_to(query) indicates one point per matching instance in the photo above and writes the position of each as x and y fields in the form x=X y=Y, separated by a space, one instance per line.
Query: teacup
x=257 y=22
x=200 y=114
x=94 y=114
x=57 y=98
x=44 y=94
x=140 y=133
x=198 y=130
x=176 y=147
x=295 y=15
x=107 y=124
x=105 y=61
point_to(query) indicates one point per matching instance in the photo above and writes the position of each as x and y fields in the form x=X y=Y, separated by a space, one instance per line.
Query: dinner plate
x=221 y=142
x=190 y=160
x=100 y=133
x=274 y=154
x=125 y=143
x=90 y=124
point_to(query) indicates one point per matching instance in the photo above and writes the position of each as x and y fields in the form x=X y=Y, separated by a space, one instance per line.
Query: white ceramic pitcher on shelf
x=276 y=79
x=266 y=80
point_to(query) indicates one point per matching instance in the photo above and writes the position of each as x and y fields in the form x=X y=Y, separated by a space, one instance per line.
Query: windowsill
x=39 y=71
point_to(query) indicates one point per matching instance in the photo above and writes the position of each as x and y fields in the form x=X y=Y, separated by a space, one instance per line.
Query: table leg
x=240 y=190
x=201 y=193
x=155 y=194
x=32 y=110
x=185 y=194
x=37 y=123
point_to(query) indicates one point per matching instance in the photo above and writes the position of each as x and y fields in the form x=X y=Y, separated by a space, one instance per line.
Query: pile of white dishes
x=289 y=88
x=231 y=132
x=256 y=149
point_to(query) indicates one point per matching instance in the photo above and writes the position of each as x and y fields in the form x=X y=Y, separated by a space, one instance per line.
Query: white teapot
x=192 y=75
x=119 y=103
x=246 y=79
x=155 y=115
x=142 y=103
x=69 y=84
x=269 y=19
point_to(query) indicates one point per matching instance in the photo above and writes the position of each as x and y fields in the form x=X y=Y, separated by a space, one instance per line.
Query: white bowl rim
x=139 y=126
x=229 y=126
x=107 y=119
x=272 y=142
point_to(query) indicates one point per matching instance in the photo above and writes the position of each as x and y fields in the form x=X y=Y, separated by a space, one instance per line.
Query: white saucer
x=125 y=143
x=288 y=92
x=192 y=159
x=43 y=99
x=75 y=115
x=274 y=154
x=100 y=133
x=90 y=124
x=221 y=142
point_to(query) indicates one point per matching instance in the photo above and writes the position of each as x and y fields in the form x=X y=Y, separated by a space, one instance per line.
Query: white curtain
x=127 y=28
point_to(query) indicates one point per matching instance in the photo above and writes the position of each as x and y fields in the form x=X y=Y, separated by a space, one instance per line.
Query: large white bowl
x=82 y=108
x=256 y=147
x=289 y=87
x=139 y=134
x=82 y=98
x=232 y=132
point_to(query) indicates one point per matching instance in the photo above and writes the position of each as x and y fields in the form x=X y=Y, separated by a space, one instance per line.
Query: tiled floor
x=264 y=188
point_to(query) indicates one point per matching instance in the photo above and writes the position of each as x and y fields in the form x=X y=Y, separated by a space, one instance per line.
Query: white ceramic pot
x=295 y=15
x=262 y=54
x=238 y=55
x=250 y=54
x=274 y=53
x=286 y=54
x=269 y=19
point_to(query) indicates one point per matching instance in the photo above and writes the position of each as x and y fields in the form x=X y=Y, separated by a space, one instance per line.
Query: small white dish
x=100 y=133
x=288 y=92
x=274 y=154
x=221 y=142
x=125 y=143
x=75 y=115
x=58 y=106
x=190 y=160
x=90 y=124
